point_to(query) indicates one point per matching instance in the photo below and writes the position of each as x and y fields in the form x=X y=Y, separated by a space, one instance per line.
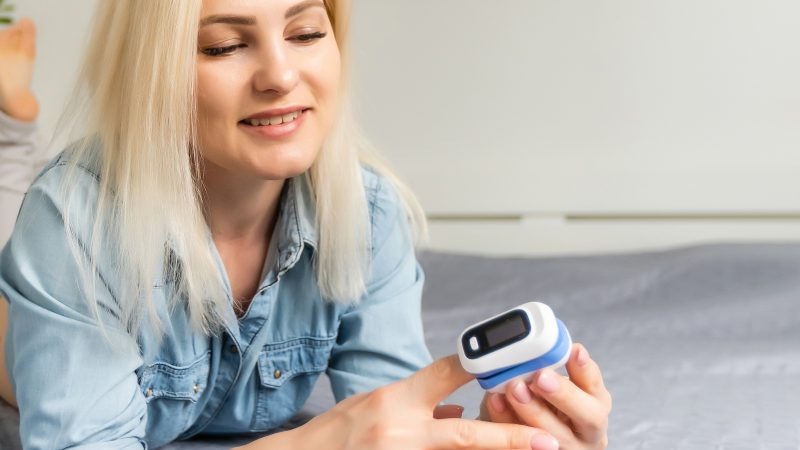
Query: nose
x=276 y=72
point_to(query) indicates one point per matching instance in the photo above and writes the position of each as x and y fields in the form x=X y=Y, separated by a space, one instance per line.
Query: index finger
x=437 y=381
x=475 y=434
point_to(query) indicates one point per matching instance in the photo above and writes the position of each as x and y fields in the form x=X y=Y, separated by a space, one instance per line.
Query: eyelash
x=303 y=38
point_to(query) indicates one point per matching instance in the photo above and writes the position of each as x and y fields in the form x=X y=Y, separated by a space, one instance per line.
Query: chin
x=282 y=170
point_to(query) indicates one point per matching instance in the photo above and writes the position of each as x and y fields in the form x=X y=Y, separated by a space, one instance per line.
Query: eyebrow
x=231 y=20
x=302 y=6
x=251 y=20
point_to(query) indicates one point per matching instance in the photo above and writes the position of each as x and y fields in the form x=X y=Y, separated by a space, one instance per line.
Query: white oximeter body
x=513 y=345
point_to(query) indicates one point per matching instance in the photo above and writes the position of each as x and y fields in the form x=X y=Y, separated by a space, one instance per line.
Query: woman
x=221 y=238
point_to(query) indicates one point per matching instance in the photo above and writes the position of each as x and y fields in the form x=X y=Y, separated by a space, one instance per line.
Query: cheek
x=326 y=78
x=216 y=107
x=333 y=74
x=214 y=97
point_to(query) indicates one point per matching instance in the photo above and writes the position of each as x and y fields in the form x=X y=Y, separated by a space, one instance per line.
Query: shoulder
x=62 y=196
x=87 y=166
x=55 y=223
x=382 y=196
x=60 y=181
x=372 y=180
x=387 y=212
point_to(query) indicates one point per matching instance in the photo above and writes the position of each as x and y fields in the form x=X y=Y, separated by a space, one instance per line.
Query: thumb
x=437 y=381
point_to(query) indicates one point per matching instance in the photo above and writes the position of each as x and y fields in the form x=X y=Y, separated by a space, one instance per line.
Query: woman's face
x=268 y=83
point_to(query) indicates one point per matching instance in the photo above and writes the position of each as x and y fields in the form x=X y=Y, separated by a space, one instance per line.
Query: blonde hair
x=137 y=94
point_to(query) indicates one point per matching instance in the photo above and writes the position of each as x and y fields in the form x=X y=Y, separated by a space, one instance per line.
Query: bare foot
x=17 y=53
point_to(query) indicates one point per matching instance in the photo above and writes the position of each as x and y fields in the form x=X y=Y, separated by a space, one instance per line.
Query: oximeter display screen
x=504 y=331
x=495 y=334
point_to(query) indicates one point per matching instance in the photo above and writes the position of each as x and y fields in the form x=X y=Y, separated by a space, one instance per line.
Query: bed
x=700 y=346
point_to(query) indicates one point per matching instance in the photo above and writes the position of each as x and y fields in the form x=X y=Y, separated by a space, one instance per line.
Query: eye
x=219 y=51
x=310 y=37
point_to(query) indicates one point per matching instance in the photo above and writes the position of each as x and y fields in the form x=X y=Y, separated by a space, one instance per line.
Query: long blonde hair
x=136 y=93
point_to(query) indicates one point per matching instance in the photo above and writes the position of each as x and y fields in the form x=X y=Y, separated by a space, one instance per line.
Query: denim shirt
x=74 y=391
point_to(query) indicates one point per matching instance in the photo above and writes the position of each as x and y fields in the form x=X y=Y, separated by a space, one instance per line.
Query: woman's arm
x=380 y=342
x=400 y=416
x=74 y=388
x=381 y=339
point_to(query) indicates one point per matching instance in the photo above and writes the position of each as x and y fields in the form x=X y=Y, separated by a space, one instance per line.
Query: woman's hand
x=575 y=410
x=401 y=416
x=17 y=53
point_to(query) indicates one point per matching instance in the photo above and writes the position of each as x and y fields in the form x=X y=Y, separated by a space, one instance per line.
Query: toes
x=19 y=37
x=9 y=39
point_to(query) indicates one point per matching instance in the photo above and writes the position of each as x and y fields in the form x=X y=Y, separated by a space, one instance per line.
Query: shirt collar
x=296 y=224
x=294 y=229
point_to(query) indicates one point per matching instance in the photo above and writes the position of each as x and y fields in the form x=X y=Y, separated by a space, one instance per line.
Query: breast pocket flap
x=279 y=363
x=164 y=380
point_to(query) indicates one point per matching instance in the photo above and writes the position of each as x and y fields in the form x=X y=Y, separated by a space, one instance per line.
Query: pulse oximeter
x=513 y=345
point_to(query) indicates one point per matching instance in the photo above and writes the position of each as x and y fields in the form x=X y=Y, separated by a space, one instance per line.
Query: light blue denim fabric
x=75 y=392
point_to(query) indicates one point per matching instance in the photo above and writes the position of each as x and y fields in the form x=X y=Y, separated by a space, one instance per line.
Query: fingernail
x=547 y=382
x=521 y=392
x=583 y=357
x=498 y=404
x=458 y=410
x=544 y=442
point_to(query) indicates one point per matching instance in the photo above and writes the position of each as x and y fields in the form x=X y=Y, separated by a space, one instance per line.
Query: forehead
x=260 y=8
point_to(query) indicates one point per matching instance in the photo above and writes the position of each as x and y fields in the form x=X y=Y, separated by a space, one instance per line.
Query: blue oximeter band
x=491 y=379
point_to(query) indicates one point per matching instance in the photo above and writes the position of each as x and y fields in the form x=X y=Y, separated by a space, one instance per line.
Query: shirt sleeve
x=17 y=166
x=381 y=339
x=75 y=388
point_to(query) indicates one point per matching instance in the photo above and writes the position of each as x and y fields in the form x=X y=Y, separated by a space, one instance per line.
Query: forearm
x=285 y=439
x=323 y=431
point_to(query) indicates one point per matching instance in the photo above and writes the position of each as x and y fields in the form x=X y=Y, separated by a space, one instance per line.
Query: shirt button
x=233 y=349
x=149 y=392
x=196 y=388
x=277 y=374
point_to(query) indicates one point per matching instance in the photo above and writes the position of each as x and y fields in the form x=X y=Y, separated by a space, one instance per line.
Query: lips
x=275 y=116
x=275 y=120
x=272 y=125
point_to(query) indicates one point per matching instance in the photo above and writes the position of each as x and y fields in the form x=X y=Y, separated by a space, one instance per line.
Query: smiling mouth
x=274 y=121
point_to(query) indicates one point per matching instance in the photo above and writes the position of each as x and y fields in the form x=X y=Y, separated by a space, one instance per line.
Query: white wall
x=62 y=28
x=577 y=125
x=540 y=126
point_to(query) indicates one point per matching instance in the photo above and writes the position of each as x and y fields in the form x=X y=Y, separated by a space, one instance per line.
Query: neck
x=239 y=208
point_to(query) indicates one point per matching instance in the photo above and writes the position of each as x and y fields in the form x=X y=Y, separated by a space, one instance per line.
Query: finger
x=435 y=382
x=535 y=412
x=588 y=415
x=495 y=408
x=475 y=434
x=586 y=374
x=448 y=412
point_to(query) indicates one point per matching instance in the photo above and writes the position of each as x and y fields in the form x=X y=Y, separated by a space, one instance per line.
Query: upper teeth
x=277 y=120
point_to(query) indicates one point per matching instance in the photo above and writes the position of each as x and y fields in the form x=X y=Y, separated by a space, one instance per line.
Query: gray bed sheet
x=699 y=346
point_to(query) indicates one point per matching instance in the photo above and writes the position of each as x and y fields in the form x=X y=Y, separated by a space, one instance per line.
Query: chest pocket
x=288 y=372
x=171 y=392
